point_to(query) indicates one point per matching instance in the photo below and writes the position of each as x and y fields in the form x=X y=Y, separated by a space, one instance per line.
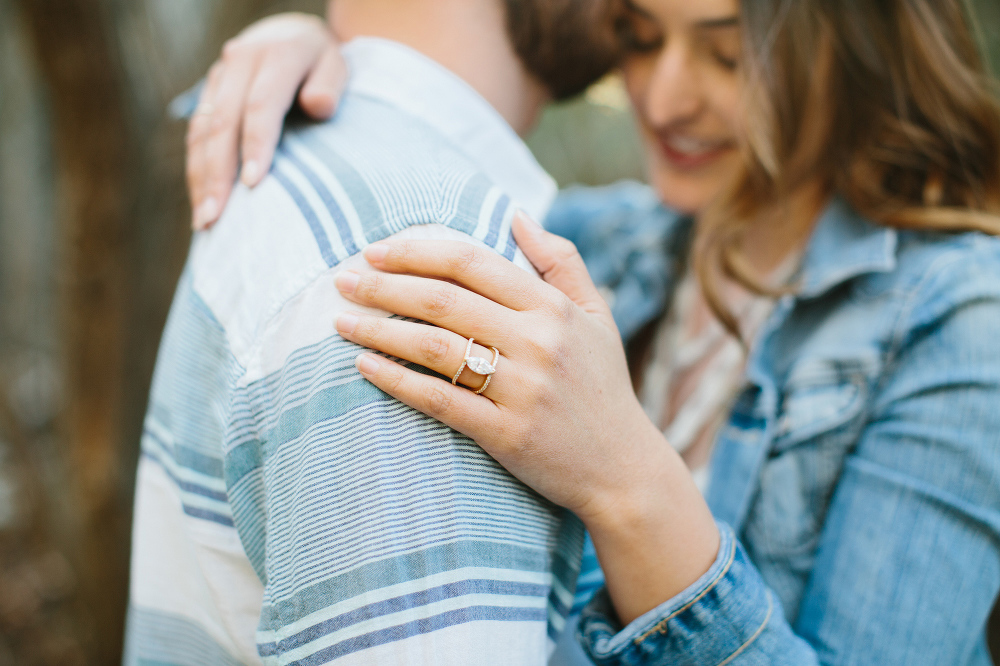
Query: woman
x=808 y=309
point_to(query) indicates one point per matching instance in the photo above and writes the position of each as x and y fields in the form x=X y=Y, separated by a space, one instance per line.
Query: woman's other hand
x=559 y=412
x=249 y=91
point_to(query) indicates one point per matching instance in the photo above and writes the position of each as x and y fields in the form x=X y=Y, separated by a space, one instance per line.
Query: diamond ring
x=478 y=365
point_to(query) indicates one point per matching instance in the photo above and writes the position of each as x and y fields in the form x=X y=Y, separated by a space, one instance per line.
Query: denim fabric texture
x=856 y=481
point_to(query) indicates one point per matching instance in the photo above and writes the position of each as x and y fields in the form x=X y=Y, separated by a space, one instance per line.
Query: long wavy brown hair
x=886 y=103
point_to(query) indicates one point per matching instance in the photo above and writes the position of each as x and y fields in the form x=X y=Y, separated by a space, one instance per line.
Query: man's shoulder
x=336 y=187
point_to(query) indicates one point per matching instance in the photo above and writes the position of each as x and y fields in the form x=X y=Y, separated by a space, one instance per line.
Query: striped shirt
x=288 y=512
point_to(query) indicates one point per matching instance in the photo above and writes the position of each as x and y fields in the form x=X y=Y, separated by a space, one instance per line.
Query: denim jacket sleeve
x=908 y=563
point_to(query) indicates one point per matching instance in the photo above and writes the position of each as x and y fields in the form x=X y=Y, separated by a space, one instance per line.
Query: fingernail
x=346 y=323
x=206 y=213
x=347 y=281
x=251 y=172
x=376 y=252
x=367 y=364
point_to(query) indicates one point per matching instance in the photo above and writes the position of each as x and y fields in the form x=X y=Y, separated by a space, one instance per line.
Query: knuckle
x=223 y=125
x=565 y=248
x=546 y=343
x=438 y=401
x=233 y=49
x=468 y=260
x=259 y=104
x=538 y=387
x=371 y=286
x=402 y=253
x=565 y=309
x=197 y=129
x=434 y=349
x=215 y=71
x=440 y=301
x=394 y=380
x=561 y=308
x=371 y=329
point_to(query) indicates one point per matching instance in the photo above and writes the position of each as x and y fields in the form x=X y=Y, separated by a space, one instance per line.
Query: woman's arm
x=559 y=413
x=908 y=563
x=913 y=536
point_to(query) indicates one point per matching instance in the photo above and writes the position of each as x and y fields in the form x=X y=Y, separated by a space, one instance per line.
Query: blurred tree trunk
x=95 y=155
x=122 y=228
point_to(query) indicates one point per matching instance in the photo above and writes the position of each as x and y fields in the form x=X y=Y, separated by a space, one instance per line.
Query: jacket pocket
x=821 y=397
x=819 y=419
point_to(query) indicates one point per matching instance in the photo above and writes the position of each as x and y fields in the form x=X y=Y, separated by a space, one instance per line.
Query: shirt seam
x=662 y=624
x=756 y=634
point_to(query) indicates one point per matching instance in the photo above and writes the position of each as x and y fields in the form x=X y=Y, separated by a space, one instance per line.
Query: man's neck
x=468 y=37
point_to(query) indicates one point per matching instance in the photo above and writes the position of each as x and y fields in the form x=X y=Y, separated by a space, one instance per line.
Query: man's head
x=515 y=53
x=566 y=44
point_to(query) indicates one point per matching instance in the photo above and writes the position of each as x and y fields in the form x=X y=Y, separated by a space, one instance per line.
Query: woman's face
x=683 y=81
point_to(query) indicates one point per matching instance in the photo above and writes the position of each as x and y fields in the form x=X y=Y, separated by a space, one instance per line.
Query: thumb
x=559 y=263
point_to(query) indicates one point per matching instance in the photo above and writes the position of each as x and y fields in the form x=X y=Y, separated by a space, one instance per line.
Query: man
x=286 y=510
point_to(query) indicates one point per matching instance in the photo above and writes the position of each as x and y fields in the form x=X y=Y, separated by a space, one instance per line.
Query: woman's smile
x=688 y=153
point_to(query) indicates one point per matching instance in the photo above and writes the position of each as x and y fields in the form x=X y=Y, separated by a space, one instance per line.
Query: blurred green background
x=93 y=233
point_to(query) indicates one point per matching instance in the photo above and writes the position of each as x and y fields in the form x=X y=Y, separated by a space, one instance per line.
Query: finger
x=483 y=271
x=432 y=347
x=433 y=301
x=197 y=135
x=221 y=146
x=470 y=414
x=559 y=263
x=270 y=97
x=325 y=85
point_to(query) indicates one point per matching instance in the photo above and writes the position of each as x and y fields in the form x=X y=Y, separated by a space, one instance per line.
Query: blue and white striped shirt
x=287 y=511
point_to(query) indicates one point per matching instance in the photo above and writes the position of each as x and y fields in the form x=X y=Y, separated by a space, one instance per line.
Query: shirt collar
x=410 y=81
x=845 y=245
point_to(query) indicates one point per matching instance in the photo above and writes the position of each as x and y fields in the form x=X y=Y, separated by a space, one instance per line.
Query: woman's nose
x=675 y=93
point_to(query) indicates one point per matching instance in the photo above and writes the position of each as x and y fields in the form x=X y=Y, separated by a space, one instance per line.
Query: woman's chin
x=689 y=191
x=685 y=196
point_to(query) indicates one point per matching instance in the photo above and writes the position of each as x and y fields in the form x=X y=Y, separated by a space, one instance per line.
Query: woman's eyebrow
x=723 y=22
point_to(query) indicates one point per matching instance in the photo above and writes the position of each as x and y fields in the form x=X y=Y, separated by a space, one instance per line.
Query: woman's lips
x=689 y=154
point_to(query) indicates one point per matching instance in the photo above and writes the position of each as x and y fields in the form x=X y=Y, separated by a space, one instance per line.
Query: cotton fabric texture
x=856 y=480
x=288 y=512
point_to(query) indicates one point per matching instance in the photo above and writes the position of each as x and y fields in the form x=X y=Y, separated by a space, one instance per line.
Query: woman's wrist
x=654 y=535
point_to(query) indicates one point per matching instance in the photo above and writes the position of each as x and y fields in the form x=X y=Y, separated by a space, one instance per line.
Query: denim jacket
x=856 y=482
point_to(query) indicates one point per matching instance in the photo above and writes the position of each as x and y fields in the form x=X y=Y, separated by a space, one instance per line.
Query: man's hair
x=566 y=44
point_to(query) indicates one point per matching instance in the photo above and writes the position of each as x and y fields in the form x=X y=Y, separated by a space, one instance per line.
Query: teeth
x=690 y=146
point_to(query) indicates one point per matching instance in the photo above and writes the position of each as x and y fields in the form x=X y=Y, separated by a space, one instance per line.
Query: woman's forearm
x=657 y=536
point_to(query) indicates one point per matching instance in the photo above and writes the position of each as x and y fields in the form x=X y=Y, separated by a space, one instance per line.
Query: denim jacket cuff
x=711 y=622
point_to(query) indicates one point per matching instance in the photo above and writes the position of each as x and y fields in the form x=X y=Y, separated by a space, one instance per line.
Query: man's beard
x=566 y=44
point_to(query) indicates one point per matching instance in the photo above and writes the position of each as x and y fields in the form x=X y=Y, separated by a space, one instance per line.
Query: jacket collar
x=845 y=245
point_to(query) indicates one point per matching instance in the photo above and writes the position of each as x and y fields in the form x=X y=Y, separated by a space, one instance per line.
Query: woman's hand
x=559 y=412
x=560 y=401
x=246 y=98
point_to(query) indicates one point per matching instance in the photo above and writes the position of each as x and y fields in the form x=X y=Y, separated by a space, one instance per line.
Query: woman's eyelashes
x=726 y=62
x=642 y=35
